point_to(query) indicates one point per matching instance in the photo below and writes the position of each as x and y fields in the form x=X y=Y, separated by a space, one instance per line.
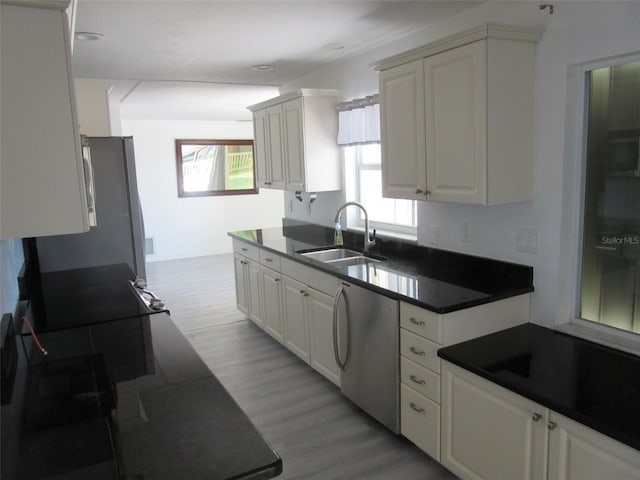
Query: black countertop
x=593 y=384
x=69 y=298
x=434 y=279
x=120 y=398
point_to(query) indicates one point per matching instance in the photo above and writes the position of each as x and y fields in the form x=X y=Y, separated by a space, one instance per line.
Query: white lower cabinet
x=491 y=433
x=272 y=312
x=296 y=336
x=291 y=302
x=420 y=421
x=577 y=452
x=488 y=432
x=422 y=333
x=320 y=310
x=242 y=299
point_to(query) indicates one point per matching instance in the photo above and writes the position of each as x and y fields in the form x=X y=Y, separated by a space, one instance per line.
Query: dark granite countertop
x=126 y=398
x=434 y=279
x=593 y=384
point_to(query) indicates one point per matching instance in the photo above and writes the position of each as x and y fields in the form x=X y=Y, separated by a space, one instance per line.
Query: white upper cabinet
x=295 y=141
x=457 y=118
x=92 y=101
x=42 y=176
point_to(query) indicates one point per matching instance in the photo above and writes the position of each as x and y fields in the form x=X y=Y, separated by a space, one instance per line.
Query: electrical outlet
x=527 y=240
x=466 y=232
x=433 y=235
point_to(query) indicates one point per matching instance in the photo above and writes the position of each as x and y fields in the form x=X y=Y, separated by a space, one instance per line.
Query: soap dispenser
x=337 y=234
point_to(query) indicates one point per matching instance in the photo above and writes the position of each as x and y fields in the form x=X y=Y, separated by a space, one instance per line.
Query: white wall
x=577 y=32
x=196 y=226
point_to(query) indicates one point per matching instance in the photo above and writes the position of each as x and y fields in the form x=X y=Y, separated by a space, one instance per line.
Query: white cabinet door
x=276 y=147
x=296 y=330
x=260 y=148
x=320 y=310
x=42 y=189
x=272 y=303
x=488 y=432
x=294 y=141
x=456 y=124
x=402 y=129
x=240 y=271
x=254 y=289
x=577 y=452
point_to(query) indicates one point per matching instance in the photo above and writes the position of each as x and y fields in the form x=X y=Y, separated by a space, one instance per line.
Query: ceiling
x=163 y=54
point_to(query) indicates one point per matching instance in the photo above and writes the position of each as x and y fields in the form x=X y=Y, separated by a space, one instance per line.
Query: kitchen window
x=609 y=264
x=363 y=175
x=215 y=167
x=359 y=134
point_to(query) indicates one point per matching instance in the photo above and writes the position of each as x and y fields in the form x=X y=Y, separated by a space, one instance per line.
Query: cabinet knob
x=416 y=408
x=418 y=191
x=417 y=380
x=536 y=416
x=303 y=293
x=276 y=279
x=552 y=425
x=420 y=323
x=417 y=352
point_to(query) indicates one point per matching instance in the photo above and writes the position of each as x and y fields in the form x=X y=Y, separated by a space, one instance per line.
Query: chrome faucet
x=369 y=240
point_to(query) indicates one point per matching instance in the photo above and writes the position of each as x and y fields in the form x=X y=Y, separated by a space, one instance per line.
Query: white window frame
x=352 y=190
x=575 y=168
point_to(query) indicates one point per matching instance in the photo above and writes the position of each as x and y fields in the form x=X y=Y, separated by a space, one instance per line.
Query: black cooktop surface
x=77 y=297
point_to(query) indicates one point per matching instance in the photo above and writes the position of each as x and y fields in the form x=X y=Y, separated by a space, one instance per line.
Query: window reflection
x=610 y=274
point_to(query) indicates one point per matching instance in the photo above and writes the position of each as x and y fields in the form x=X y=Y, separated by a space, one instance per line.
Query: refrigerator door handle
x=336 y=352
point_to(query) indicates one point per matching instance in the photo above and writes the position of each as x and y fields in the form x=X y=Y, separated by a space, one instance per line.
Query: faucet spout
x=369 y=240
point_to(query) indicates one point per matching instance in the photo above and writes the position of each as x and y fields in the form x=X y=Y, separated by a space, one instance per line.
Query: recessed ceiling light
x=89 y=36
x=263 y=68
x=334 y=46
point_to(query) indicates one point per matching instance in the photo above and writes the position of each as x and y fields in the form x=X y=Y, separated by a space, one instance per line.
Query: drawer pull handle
x=536 y=417
x=417 y=380
x=552 y=425
x=245 y=249
x=416 y=408
x=269 y=259
x=420 y=323
x=417 y=352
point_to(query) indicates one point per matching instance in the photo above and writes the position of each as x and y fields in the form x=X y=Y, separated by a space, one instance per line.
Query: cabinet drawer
x=421 y=379
x=270 y=259
x=420 y=350
x=249 y=251
x=420 y=421
x=323 y=282
x=423 y=322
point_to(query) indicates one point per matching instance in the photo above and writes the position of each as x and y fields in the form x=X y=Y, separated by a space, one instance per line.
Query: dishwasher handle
x=336 y=349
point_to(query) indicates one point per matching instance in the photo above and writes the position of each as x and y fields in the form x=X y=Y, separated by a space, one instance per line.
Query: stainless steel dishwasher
x=365 y=345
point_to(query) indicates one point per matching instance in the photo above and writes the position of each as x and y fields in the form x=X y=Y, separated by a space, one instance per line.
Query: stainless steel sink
x=339 y=256
x=331 y=254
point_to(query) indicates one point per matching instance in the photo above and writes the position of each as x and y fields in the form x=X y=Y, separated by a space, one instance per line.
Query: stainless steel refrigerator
x=118 y=236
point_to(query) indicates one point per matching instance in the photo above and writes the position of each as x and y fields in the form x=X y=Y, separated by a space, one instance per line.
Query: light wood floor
x=319 y=434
